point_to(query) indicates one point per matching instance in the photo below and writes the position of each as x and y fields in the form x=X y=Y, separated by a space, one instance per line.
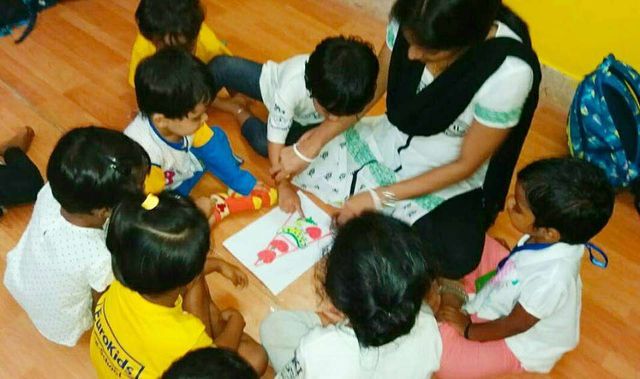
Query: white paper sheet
x=293 y=250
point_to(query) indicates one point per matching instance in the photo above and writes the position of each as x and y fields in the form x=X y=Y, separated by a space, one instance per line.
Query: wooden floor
x=72 y=71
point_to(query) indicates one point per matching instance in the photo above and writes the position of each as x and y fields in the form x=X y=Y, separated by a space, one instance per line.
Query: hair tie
x=150 y=202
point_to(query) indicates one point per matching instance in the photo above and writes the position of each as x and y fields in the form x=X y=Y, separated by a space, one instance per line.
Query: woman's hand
x=355 y=206
x=288 y=198
x=455 y=317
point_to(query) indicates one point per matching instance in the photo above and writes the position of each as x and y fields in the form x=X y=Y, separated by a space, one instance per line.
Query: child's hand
x=455 y=317
x=288 y=198
x=204 y=204
x=234 y=315
x=234 y=274
x=260 y=186
x=229 y=271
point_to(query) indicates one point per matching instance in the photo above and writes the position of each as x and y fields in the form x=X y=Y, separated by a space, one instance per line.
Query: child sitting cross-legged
x=61 y=263
x=158 y=307
x=173 y=89
x=375 y=324
x=528 y=315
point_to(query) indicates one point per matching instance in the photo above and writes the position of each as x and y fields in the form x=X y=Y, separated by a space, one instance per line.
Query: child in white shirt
x=328 y=88
x=528 y=315
x=376 y=325
x=61 y=259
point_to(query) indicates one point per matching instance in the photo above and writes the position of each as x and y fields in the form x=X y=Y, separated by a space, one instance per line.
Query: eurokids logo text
x=114 y=356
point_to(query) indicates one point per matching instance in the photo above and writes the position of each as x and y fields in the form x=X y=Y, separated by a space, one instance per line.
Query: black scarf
x=437 y=106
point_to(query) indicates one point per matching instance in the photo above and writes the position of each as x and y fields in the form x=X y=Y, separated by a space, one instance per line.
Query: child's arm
x=226 y=269
x=95 y=296
x=518 y=321
x=196 y=301
x=212 y=147
x=232 y=331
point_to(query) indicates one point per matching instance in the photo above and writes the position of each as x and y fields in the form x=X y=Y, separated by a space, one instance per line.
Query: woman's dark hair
x=172 y=82
x=157 y=250
x=376 y=274
x=446 y=24
x=170 y=20
x=93 y=168
x=210 y=363
x=569 y=195
x=341 y=74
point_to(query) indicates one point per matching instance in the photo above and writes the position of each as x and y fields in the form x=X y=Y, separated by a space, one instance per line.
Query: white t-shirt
x=547 y=284
x=333 y=352
x=175 y=159
x=284 y=93
x=53 y=269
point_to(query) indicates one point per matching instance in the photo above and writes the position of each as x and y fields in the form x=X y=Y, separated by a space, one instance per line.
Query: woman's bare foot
x=21 y=140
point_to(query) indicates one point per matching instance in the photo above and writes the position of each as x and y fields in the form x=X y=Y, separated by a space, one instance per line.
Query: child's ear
x=159 y=120
x=102 y=213
x=551 y=235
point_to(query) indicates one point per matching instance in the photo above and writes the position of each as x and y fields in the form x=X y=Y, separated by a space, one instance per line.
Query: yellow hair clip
x=150 y=202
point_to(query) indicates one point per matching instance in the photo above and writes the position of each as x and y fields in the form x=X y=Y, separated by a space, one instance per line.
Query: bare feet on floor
x=22 y=140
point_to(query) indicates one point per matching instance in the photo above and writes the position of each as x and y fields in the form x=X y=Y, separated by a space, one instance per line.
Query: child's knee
x=253 y=353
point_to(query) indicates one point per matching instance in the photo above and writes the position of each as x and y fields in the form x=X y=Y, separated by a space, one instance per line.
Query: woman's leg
x=464 y=359
x=237 y=75
x=20 y=179
x=281 y=332
x=454 y=234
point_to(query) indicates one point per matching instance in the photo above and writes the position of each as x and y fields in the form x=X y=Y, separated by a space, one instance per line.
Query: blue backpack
x=604 y=122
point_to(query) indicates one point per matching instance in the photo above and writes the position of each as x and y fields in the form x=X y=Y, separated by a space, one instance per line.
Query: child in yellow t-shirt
x=159 y=307
x=164 y=23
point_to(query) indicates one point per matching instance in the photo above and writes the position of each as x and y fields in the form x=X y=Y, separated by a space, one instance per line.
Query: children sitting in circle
x=61 y=264
x=385 y=312
x=158 y=307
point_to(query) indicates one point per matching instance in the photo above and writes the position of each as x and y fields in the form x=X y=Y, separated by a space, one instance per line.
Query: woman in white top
x=462 y=86
x=376 y=325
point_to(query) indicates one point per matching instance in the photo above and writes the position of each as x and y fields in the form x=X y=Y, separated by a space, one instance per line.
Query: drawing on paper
x=290 y=238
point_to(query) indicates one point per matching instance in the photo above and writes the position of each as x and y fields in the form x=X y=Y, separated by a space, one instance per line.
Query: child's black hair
x=172 y=82
x=569 y=195
x=210 y=363
x=376 y=274
x=341 y=74
x=446 y=24
x=157 y=250
x=93 y=168
x=170 y=20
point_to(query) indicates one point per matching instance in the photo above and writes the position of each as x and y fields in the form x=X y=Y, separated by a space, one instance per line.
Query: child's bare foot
x=21 y=140
x=230 y=104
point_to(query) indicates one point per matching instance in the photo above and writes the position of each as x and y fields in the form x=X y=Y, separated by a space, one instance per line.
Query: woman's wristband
x=300 y=155
x=466 y=330
x=377 y=203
